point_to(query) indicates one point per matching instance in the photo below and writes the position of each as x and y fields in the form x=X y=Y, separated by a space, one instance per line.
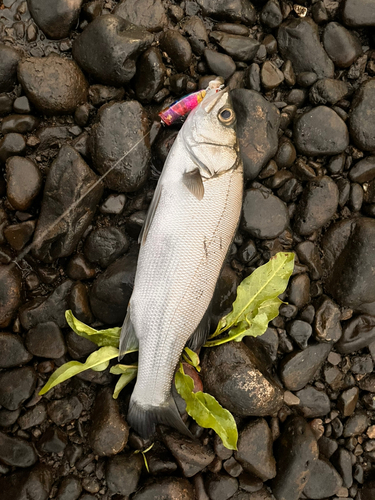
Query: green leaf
x=191 y=358
x=206 y=411
x=127 y=372
x=102 y=338
x=257 y=300
x=120 y=369
x=68 y=370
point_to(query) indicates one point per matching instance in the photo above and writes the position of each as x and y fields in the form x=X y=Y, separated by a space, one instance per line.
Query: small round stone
x=24 y=182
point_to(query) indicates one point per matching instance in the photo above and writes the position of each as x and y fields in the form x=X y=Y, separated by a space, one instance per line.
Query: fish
x=186 y=236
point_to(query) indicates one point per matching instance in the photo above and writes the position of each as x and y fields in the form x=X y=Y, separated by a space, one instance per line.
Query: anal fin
x=128 y=338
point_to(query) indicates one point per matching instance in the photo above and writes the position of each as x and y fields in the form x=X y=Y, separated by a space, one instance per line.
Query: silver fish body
x=190 y=227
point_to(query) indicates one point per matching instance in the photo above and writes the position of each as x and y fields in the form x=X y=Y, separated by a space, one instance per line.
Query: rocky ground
x=79 y=86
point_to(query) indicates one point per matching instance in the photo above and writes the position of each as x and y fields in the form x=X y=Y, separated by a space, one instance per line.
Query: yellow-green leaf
x=127 y=372
x=206 y=411
x=102 y=338
x=97 y=359
x=191 y=358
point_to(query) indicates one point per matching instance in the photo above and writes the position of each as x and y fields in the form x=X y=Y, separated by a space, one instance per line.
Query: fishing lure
x=183 y=106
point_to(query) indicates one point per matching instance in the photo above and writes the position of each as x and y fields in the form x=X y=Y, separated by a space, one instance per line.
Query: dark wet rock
x=16 y=452
x=271 y=76
x=12 y=351
x=147 y=13
x=257 y=129
x=324 y=480
x=17 y=235
x=9 y=417
x=221 y=487
x=299 y=290
x=327 y=327
x=79 y=303
x=178 y=49
x=308 y=254
x=191 y=456
x=368 y=490
x=320 y=131
x=298 y=41
x=299 y=368
x=101 y=94
x=264 y=215
x=363 y=171
x=53 y=84
x=362 y=116
x=104 y=245
x=362 y=364
x=271 y=14
x=9 y=59
x=313 y=403
x=121 y=125
x=296 y=455
x=168 y=488
x=69 y=489
x=300 y=331
x=160 y=460
x=237 y=11
x=79 y=269
x=347 y=401
x=252 y=77
x=52 y=441
x=317 y=206
x=79 y=347
x=327 y=446
x=12 y=145
x=109 y=432
x=63 y=411
x=149 y=78
x=221 y=451
x=351 y=281
x=342 y=46
x=109 y=47
x=270 y=342
x=197 y=34
x=55 y=19
x=236 y=378
x=24 y=182
x=68 y=177
x=45 y=310
x=22 y=105
x=286 y=154
x=22 y=124
x=356 y=425
x=233 y=467
x=6 y=104
x=16 y=386
x=36 y=416
x=342 y=461
x=31 y=484
x=254 y=450
x=358 y=13
x=328 y=91
x=239 y=47
x=220 y=64
x=10 y=293
x=123 y=473
x=358 y=332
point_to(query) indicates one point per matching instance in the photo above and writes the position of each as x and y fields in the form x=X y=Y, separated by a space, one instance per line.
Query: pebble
x=252 y=77
x=79 y=269
x=362 y=116
x=363 y=171
x=308 y=254
x=56 y=19
x=298 y=41
x=327 y=327
x=24 y=182
x=178 y=49
x=36 y=416
x=72 y=173
x=18 y=235
x=324 y=480
x=22 y=105
x=52 y=441
x=9 y=58
x=356 y=425
x=238 y=47
x=342 y=46
x=20 y=485
x=69 y=489
x=119 y=126
x=16 y=452
x=168 y=488
x=286 y=153
x=317 y=206
x=233 y=467
x=147 y=13
x=108 y=432
x=12 y=144
x=320 y=131
x=238 y=380
x=64 y=411
x=271 y=76
x=254 y=450
x=299 y=290
x=264 y=215
x=300 y=331
x=10 y=294
x=296 y=455
x=104 y=245
x=197 y=34
x=328 y=91
x=191 y=456
x=79 y=347
x=362 y=364
x=149 y=78
x=220 y=64
x=53 y=84
x=160 y=460
x=257 y=130
x=12 y=351
x=358 y=13
x=109 y=47
x=21 y=124
x=299 y=368
x=112 y=289
x=342 y=461
x=271 y=14
x=313 y=403
x=123 y=473
x=113 y=205
x=6 y=104
x=8 y=417
x=237 y=11
x=16 y=386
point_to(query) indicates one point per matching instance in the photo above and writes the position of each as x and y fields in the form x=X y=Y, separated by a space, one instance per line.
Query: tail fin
x=145 y=418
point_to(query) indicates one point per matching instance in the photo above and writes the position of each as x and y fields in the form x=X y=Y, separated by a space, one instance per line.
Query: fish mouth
x=211 y=101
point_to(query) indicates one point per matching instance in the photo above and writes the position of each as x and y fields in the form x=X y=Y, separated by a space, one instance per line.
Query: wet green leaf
x=191 y=358
x=206 y=411
x=102 y=338
x=124 y=380
x=99 y=358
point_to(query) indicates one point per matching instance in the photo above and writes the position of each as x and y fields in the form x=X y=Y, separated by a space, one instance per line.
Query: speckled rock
x=236 y=11
x=56 y=19
x=105 y=244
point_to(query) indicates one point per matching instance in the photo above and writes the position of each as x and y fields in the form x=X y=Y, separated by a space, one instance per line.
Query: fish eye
x=226 y=116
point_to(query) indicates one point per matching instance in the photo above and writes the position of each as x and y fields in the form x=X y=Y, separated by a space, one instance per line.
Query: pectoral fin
x=193 y=181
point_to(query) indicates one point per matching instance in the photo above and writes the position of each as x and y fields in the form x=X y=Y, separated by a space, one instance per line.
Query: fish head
x=210 y=135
